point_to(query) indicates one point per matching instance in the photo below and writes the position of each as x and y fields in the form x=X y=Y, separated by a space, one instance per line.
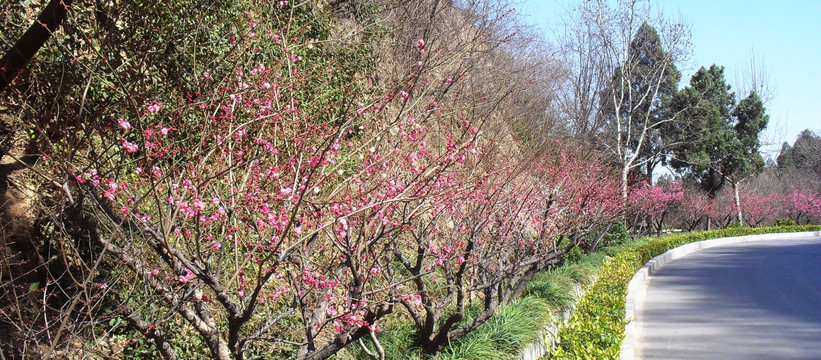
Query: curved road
x=754 y=300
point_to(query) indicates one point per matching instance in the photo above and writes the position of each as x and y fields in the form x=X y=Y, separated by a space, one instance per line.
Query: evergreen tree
x=806 y=152
x=726 y=147
x=705 y=146
x=785 y=158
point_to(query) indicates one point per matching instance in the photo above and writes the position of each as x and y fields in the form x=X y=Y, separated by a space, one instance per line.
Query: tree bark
x=32 y=40
x=738 y=203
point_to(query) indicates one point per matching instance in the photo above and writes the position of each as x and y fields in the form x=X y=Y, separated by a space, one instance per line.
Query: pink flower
x=124 y=124
x=129 y=146
x=187 y=277
x=154 y=107
x=199 y=205
x=420 y=43
x=294 y=57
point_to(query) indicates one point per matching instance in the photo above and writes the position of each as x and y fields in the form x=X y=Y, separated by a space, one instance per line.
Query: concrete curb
x=637 y=288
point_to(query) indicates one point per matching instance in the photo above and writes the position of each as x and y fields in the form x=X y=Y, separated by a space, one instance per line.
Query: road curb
x=637 y=288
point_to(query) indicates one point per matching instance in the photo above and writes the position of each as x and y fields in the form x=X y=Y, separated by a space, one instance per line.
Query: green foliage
x=785 y=222
x=396 y=338
x=505 y=334
x=596 y=329
x=735 y=224
x=804 y=154
x=573 y=255
x=617 y=234
x=721 y=142
x=555 y=286
x=785 y=159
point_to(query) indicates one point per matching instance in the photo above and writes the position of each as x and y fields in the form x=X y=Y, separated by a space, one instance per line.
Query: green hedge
x=596 y=329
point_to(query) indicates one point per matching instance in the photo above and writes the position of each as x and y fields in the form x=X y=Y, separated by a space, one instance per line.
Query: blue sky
x=785 y=36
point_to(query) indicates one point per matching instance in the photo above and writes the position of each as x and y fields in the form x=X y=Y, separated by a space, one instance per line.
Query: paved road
x=755 y=300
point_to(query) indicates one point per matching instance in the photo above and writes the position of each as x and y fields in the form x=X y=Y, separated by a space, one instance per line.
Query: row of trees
x=287 y=200
x=294 y=176
x=669 y=205
x=622 y=93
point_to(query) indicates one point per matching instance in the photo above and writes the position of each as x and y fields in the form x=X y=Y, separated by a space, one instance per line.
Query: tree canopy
x=724 y=142
x=804 y=154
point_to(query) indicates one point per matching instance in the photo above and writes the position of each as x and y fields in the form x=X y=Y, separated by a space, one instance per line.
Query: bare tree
x=622 y=73
x=752 y=76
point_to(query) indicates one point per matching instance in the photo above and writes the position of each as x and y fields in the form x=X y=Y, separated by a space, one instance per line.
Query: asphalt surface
x=754 y=300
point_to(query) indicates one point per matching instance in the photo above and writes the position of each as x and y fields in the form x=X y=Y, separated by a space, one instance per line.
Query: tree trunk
x=625 y=171
x=32 y=40
x=738 y=202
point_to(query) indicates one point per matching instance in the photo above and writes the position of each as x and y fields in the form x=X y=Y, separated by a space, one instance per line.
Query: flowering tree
x=760 y=209
x=261 y=213
x=803 y=206
x=282 y=203
x=653 y=203
x=496 y=242
x=694 y=209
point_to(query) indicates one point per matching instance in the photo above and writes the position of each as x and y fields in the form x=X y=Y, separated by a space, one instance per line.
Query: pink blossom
x=198 y=205
x=124 y=124
x=129 y=146
x=154 y=107
x=187 y=277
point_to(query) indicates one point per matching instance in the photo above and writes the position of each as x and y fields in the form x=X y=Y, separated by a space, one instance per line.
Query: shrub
x=785 y=222
x=617 y=234
x=735 y=224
